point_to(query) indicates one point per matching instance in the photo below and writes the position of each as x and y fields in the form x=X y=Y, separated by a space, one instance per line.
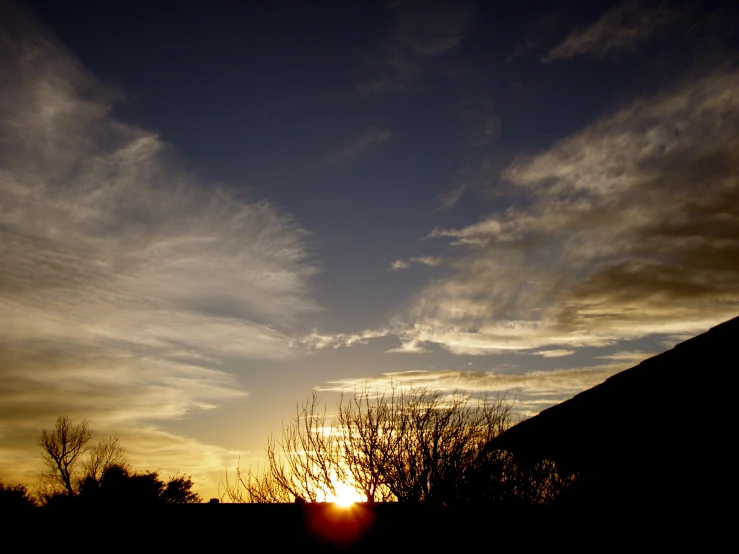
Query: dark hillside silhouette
x=654 y=436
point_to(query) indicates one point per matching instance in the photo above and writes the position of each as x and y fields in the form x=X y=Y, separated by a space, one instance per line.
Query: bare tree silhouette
x=405 y=445
x=62 y=449
x=108 y=452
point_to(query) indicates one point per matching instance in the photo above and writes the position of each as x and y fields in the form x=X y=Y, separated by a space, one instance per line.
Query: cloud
x=631 y=356
x=317 y=341
x=428 y=261
x=409 y=347
x=481 y=121
x=532 y=392
x=539 y=30
x=397 y=265
x=431 y=28
x=554 y=353
x=126 y=283
x=489 y=131
x=358 y=145
x=450 y=199
x=618 y=30
x=475 y=235
x=421 y=30
x=625 y=229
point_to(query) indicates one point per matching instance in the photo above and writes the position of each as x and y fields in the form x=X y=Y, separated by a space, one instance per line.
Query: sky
x=210 y=209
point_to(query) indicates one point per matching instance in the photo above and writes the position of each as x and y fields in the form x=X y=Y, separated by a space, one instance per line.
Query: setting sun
x=345 y=495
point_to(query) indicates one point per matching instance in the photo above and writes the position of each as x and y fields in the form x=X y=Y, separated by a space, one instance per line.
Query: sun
x=344 y=496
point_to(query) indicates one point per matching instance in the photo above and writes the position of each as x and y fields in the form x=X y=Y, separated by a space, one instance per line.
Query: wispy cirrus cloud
x=431 y=28
x=354 y=147
x=420 y=30
x=397 y=265
x=618 y=30
x=126 y=283
x=625 y=229
x=532 y=391
x=630 y=356
x=557 y=353
x=428 y=261
x=482 y=122
x=318 y=341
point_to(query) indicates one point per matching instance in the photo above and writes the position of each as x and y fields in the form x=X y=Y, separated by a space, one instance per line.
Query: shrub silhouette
x=15 y=498
x=178 y=490
x=118 y=486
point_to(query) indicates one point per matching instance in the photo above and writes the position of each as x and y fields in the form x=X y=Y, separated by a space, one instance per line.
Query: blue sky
x=209 y=209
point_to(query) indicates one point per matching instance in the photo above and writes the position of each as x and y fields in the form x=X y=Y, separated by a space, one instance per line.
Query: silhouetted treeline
x=118 y=486
x=80 y=475
x=15 y=498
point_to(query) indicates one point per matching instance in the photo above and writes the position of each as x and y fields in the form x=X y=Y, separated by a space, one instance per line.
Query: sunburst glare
x=344 y=496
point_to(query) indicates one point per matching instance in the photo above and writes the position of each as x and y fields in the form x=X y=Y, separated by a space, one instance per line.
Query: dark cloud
x=354 y=147
x=618 y=30
x=420 y=31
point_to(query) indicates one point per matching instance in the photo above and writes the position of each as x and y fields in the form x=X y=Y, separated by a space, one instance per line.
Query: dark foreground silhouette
x=655 y=438
x=650 y=446
x=387 y=527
